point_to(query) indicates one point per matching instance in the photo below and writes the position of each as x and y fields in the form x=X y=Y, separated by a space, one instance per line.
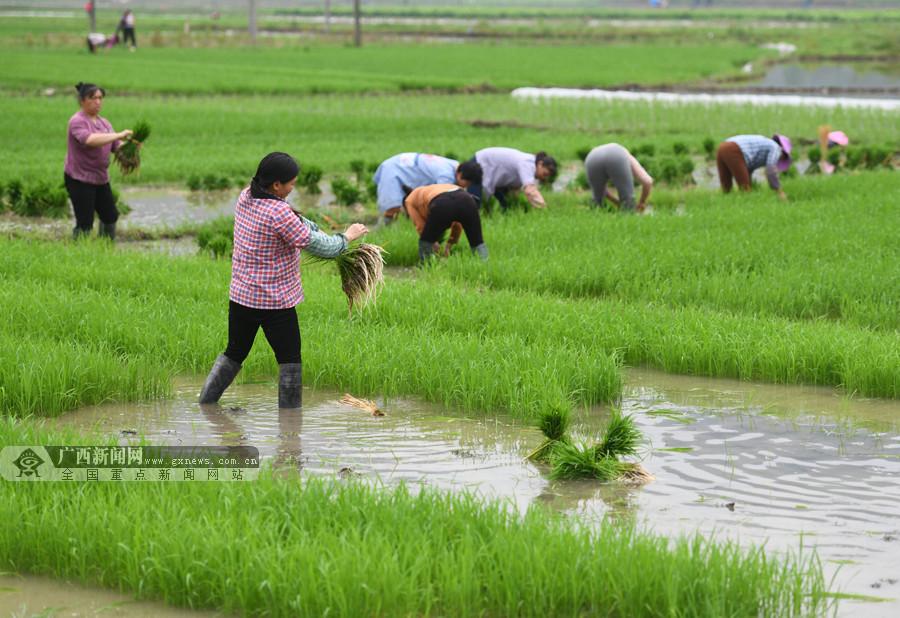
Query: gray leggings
x=607 y=163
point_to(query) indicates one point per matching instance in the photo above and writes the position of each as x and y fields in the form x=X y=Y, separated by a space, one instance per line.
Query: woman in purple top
x=91 y=139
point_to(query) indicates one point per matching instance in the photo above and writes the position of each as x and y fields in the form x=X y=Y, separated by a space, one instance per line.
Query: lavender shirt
x=505 y=168
x=88 y=163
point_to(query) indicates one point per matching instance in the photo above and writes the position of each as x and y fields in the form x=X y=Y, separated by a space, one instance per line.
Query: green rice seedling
x=646 y=150
x=679 y=148
x=216 y=237
x=579 y=460
x=194 y=182
x=670 y=171
x=2 y=196
x=686 y=168
x=216 y=182
x=345 y=192
x=553 y=422
x=309 y=178
x=358 y=167
x=856 y=157
x=581 y=153
x=834 y=157
x=709 y=147
x=371 y=190
x=128 y=155
x=361 y=268
x=580 y=182
x=14 y=191
x=815 y=156
x=42 y=199
x=879 y=156
x=621 y=437
x=448 y=155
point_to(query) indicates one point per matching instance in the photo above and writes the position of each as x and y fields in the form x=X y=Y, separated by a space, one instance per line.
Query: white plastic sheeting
x=705 y=98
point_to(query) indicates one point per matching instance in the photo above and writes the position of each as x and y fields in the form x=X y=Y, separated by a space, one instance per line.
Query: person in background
x=126 y=26
x=738 y=156
x=416 y=169
x=612 y=162
x=91 y=138
x=434 y=209
x=265 y=277
x=98 y=40
x=508 y=169
x=829 y=139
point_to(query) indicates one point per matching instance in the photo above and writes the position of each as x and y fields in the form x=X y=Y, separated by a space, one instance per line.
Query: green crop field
x=803 y=292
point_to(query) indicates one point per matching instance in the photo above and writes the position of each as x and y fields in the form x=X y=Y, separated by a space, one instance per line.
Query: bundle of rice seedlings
x=636 y=474
x=362 y=273
x=363 y=404
x=554 y=422
x=573 y=461
x=621 y=437
x=128 y=156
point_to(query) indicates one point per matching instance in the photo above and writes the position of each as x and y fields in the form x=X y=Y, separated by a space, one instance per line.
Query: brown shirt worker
x=434 y=209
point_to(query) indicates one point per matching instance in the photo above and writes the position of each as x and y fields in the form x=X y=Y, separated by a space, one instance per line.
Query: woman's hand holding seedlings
x=357 y=230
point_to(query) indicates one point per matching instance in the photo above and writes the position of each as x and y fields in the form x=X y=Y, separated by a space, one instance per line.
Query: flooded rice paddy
x=756 y=463
x=30 y=596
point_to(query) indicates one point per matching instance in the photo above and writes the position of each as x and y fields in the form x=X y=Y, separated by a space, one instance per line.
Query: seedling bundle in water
x=569 y=460
x=128 y=155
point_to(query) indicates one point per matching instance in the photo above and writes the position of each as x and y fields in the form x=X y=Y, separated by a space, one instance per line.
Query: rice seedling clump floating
x=602 y=461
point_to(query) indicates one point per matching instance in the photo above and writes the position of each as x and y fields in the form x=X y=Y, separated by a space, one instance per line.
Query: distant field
x=379 y=68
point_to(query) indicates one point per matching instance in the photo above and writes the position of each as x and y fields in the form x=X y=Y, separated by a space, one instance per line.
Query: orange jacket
x=418 y=205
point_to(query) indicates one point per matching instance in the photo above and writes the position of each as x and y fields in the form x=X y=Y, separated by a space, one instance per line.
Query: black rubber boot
x=290 y=385
x=220 y=377
x=107 y=230
x=426 y=251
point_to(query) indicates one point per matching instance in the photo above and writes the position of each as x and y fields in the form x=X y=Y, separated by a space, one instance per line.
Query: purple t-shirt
x=88 y=163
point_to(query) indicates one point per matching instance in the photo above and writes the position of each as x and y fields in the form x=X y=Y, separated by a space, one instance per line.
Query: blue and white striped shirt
x=759 y=152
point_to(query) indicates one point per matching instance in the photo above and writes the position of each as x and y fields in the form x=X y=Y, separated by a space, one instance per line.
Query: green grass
x=330 y=131
x=323 y=547
x=812 y=259
x=145 y=318
x=374 y=68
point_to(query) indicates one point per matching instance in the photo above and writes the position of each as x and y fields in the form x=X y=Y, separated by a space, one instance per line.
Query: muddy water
x=826 y=78
x=754 y=463
x=25 y=596
x=167 y=207
x=171 y=207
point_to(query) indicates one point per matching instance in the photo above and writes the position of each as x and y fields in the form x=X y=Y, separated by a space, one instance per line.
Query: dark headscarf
x=275 y=166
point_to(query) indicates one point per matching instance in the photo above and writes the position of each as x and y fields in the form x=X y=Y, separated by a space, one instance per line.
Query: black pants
x=280 y=327
x=128 y=33
x=449 y=207
x=86 y=199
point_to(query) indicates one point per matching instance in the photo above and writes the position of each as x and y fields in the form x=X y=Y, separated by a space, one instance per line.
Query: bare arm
x=102 y=139
x=644 y=179
x=534 y=196
x=612 y=197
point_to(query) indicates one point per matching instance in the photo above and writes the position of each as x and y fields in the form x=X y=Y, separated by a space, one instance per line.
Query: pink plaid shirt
x=265 y=265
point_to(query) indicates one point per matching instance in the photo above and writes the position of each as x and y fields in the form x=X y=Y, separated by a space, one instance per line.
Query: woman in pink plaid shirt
x=265 y=277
